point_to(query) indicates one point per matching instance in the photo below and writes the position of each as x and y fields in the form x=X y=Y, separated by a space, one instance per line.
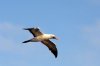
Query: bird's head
x=53 y=37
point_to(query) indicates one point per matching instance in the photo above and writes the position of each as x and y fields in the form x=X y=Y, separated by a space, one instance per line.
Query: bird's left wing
x=35 y=31
x=51 y=46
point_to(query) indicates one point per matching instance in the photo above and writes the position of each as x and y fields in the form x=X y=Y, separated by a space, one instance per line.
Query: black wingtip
x=24 y=42
x=31 y=28
x=56 y=54
x=27 y=28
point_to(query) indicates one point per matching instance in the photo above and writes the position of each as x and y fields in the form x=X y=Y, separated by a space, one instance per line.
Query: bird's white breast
x=43 y=37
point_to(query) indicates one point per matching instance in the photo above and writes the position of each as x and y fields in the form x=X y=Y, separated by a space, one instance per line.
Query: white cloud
x=92 y=34
x=6 y=25
x=94 y=2
x=10 y=37
x=91 y=37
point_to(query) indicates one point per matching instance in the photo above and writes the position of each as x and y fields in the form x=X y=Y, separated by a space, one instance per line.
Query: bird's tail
x=26 y=41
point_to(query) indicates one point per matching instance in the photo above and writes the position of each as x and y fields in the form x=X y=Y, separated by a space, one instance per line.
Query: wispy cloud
x=92 y=33
x=6 y=26
x=94 y=2
x=10 y=37
x=10 y=46
x=7 y=31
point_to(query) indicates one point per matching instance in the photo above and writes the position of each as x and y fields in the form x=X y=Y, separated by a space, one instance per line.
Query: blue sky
x=75 y=22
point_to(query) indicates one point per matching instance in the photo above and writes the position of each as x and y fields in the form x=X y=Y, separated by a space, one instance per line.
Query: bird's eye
x=53 y=37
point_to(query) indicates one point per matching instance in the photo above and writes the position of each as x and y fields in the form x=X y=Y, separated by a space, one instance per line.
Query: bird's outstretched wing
x=35 y=31
x=51 y=46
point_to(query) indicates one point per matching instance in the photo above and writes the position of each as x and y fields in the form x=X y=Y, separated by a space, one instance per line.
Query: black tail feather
x=26 y=41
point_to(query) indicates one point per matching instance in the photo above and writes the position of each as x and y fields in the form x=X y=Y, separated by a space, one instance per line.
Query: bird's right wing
x=51 y=46
x=35 y=31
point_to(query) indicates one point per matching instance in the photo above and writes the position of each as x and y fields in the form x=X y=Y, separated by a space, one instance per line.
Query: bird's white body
x=42 y=37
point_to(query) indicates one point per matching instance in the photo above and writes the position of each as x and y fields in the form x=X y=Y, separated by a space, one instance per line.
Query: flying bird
x=43 y=38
